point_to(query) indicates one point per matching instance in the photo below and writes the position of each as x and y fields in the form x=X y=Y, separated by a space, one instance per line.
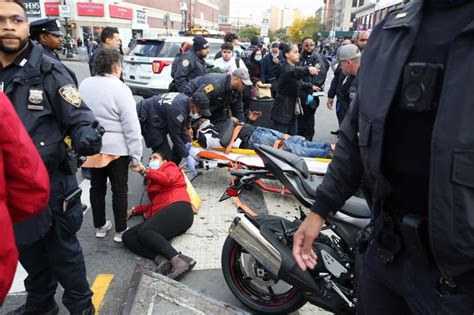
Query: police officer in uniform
x=310 y=58
x=224 y=92
x=48 y=33
x=49 y=105
x=192 y=63
x=171 y=114
x=408 y=138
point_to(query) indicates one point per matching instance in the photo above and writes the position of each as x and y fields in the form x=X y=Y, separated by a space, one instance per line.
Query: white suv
x=147 y=66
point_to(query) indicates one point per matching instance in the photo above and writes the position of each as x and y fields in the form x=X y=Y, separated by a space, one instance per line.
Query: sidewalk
x=74 y=58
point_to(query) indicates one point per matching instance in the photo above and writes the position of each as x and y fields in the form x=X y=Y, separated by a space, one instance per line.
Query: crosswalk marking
x=100 y=287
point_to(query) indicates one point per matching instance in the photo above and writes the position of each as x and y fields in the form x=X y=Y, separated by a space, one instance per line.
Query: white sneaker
x=102 y=231
x=118 y=236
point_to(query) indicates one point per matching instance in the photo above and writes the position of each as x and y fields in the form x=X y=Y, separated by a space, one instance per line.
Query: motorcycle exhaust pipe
x=249 y=237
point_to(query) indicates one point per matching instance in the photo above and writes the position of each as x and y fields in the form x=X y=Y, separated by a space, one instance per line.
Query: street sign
x=65 y=11
x=264 y=32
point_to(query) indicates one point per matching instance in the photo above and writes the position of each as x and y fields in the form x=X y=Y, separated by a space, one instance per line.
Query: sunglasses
x=14 y=19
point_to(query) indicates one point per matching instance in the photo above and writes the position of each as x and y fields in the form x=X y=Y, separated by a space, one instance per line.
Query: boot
x=51 y=309
x=181 y=265
x=163 y=265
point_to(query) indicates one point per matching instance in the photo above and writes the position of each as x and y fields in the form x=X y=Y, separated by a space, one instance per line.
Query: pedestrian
x=224 y=93
x=270 y=66
x=253 y=65
x=24 y=186
x=287 y=106
x=169 y=214
x=310 y=58
x=192 y=64
x=360 y=39
x=109 y=38
x=50 y=107
x=228 y=62
x=116 y=111
x=232 y=38
x=79 y=42
x=171 y=114
x=416 y=98
x=254 y=44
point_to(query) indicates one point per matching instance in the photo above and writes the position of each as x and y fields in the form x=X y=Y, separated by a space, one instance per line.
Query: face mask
x=275 y=55
x=194 y=116
x=258 y=58
x=154 y=165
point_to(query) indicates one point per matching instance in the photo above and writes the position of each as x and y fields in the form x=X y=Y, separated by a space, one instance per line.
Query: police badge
x=185 y=63
x=35 y=97
x=70 y=94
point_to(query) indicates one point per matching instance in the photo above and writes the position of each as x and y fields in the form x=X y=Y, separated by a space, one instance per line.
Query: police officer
x=310 y=58
x=192 y=63
x=171 y=114
x=48 y=33
x=50 y=107
x=224 y=92
x=408 y=138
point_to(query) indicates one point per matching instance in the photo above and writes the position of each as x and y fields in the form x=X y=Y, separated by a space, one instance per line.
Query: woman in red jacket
x=168 y=215
x=24 y=187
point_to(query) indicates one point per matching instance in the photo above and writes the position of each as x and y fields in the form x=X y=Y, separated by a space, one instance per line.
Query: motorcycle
x=257 y=260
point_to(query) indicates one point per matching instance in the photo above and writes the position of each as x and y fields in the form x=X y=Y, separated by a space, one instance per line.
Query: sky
x=246 y=8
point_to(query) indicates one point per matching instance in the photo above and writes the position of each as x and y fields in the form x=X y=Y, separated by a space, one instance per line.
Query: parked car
x=147 y=66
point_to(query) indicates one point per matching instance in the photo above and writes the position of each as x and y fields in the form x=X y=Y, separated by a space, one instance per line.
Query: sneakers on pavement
x=102 y=231
x=118 y=236
x=25 y=309
x=181 y=265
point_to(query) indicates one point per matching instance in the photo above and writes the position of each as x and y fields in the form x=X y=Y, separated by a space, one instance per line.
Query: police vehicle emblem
x=35 y=97
x=70 y=94
x=209 y=88
x=185 y=63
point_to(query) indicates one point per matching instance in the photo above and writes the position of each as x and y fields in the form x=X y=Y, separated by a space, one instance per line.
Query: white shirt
x=229 y=66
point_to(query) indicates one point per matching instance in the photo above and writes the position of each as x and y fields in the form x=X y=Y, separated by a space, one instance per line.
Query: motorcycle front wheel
x=251 y=285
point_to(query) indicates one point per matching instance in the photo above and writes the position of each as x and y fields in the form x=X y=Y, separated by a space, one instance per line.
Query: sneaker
x=25 y=309
x=163 y=265
x=118 y=236
x=102 y=231
x=181 y=265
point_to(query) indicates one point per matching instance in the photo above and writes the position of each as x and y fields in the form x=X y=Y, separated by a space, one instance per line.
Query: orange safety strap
x=240 y=205
x=279 y=142
x=235 y=134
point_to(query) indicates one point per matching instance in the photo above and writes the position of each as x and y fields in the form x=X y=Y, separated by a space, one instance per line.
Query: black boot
x=163 y=265
x=181 y=265
x=51 y=309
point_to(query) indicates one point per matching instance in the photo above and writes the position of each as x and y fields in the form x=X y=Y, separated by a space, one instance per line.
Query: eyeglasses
x=309 y=45
x=14 y=19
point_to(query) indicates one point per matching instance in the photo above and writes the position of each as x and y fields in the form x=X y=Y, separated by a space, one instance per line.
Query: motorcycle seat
x=290 y=158
x=357 y=208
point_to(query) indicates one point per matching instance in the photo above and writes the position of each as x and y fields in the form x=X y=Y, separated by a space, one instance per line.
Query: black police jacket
x=189 y=66
x=221 y=97
x=49 y=106
x=311 y=61
x=359 y=150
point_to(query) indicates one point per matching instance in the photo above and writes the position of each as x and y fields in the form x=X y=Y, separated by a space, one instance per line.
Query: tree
x=280 y=34
x=302 y=28
x=246 y=33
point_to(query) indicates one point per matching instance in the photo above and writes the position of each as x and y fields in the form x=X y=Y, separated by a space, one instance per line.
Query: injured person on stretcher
x=231 y=135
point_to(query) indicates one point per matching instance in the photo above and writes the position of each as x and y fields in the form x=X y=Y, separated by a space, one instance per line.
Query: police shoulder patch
x=70 y=94
x=209 y=88
x=185 y=62
x=180 y=118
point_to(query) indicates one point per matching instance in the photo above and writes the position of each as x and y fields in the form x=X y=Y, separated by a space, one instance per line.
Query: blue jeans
x=295 y=144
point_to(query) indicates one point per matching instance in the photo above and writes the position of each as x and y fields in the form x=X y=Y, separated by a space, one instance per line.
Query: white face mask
x=194 y=116
x=258 y=57
x=275 y=55
x=154 y=165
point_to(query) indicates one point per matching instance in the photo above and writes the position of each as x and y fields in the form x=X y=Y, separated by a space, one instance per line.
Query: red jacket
x=166 y=185
x=24 y=187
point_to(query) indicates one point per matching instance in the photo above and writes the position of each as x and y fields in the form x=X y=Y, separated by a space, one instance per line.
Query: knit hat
x=200 y=43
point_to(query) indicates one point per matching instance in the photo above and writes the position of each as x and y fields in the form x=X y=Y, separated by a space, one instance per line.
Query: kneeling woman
x=168 y=215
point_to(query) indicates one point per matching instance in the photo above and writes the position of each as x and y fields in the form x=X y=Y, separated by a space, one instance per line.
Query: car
x=147 y=66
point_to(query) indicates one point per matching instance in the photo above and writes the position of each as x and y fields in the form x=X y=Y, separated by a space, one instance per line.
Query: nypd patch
x=70 y=94
x=180 y=118
x=185 y=63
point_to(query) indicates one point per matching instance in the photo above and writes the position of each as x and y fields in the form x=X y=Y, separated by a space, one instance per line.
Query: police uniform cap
x=51 y=26
x=202 y=102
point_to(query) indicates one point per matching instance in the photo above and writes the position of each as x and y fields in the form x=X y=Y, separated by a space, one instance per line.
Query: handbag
x=193 y=195
x=264 y=90
x=298 y=107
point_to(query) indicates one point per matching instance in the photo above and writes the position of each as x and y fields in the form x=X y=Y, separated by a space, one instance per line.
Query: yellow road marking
x=100 y=287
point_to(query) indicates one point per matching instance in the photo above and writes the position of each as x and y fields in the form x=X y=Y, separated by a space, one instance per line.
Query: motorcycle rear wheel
x=247 y=291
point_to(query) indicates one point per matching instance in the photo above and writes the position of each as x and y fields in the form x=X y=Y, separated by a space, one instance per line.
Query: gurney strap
x=235 y=134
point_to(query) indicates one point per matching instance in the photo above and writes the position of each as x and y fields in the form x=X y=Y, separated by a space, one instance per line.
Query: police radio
x=421 y=86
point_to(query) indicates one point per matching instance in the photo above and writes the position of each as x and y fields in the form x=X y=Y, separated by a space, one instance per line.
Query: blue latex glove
x=191 y=164
x=310 y=99
x=188 y=146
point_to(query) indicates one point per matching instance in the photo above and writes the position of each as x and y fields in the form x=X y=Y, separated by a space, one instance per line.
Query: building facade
x=366 y=15
x=337 y=15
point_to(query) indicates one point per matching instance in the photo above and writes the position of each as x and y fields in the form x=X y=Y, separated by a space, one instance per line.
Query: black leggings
x=150 y=238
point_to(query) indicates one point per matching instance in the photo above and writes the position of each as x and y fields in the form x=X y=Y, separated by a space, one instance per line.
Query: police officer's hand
x=313 y=70
x=330 y=103
x=191 y=164
x=254 y=115
x=188 y=146
x=303 y=241
x=316 y=88
x=91 y=139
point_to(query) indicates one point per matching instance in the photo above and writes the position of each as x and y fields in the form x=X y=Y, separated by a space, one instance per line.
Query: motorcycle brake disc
x=257 y=273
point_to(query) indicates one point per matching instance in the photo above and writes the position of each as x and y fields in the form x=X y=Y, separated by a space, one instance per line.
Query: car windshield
x=154 y=48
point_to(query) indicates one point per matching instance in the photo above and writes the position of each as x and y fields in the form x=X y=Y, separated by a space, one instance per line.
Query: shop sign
x=90 y=9
x=140 y=17
x=52 y=8
x=33 y=8
x=120 y=12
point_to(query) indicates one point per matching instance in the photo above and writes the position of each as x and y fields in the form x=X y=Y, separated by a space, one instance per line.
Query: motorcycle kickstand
x=339 y=292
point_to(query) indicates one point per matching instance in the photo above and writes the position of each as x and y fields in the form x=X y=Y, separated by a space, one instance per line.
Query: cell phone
x=71 y=199
x=318 y=94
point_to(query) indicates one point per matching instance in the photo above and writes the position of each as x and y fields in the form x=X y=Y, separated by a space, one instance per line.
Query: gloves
x=310 y=99
x=191 y=164
x=188 y=146
x=90 y=141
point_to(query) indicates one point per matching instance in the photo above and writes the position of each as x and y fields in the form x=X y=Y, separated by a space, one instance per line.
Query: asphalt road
x=203 y=241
